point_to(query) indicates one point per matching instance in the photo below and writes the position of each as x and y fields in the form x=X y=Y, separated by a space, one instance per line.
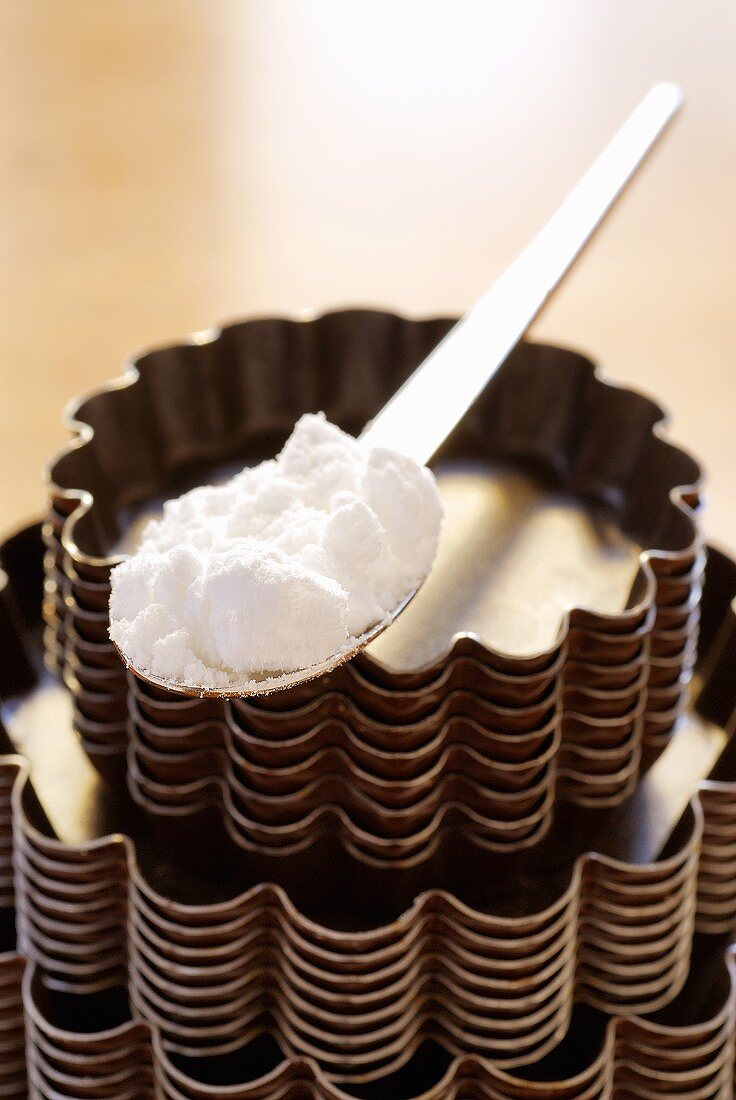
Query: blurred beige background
x=168 y=164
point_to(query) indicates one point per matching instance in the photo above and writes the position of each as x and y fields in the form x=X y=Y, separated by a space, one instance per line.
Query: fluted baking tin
x=547 y=414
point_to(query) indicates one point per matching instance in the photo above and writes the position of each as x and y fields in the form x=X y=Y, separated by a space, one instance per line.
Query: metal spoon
x=421 y=415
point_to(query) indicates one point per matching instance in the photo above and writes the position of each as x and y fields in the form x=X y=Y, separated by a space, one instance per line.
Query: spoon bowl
x=265 y=683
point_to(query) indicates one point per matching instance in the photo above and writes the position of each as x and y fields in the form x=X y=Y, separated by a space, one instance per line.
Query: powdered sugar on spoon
x=291 y=565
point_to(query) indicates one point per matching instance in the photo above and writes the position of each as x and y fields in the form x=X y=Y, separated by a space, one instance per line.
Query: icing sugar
x=281 y=567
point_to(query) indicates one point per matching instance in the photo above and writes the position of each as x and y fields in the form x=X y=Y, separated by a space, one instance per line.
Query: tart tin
x=631 y=911
x=551 y=465
x=12 y=1031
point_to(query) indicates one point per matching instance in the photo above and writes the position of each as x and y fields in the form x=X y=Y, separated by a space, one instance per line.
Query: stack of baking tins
x=716 y=913
x=209 y=977
x=617 y=937
x=673 y=645
x=12 y=1032
x=717 y=883
x=72 y=1053
x=474 y=737
x=385 y=885
x=72 y=909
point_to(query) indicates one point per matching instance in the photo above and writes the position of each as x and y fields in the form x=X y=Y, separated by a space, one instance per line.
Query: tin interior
x=516 y=554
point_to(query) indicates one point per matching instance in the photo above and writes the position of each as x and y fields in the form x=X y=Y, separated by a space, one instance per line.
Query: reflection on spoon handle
x=422 y=414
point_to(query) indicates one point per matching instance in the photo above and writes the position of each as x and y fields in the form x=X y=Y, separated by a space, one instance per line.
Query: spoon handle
x=421 y=415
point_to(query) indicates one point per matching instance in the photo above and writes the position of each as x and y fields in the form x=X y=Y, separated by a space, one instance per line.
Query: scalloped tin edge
x=679 y=1057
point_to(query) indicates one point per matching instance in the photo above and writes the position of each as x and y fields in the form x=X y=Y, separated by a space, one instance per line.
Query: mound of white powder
x=279 y=568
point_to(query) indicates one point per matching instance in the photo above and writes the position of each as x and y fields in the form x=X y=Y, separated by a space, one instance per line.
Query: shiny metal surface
x=429 y=405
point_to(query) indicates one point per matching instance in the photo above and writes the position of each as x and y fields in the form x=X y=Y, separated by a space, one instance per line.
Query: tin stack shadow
x=454 y=744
